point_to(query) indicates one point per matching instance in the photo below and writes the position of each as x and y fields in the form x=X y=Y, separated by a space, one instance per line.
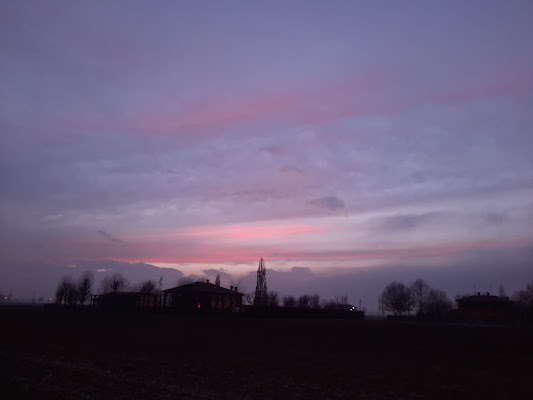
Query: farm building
x=203 y=297
x=125 y=301
x=484 y=307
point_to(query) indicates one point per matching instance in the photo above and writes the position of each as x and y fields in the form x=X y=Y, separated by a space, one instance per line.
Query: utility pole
x=260 y=298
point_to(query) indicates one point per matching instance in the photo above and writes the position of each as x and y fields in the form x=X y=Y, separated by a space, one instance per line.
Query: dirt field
x=93 y=355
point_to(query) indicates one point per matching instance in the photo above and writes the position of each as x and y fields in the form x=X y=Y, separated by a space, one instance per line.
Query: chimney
x=207 y=281
x=479 y=293
x=236 y=289
x=231 y=288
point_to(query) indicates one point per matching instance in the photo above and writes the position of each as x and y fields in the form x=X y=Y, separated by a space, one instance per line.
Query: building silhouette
x=202 y=297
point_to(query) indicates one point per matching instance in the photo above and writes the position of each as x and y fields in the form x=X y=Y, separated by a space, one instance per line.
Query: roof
x=202 y=287
x=483 y=299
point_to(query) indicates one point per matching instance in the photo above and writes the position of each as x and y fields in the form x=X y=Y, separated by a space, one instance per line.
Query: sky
x=355 y=142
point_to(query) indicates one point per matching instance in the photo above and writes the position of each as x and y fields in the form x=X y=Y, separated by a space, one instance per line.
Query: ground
x=62 y=354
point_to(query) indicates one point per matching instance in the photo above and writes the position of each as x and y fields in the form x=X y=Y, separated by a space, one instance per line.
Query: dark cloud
x=288 y=169
x=494 y=218
x=272 y=150
x=302 y=271
x=109 y=237
x=406 y=221
x=330 y=202
x=25 y=278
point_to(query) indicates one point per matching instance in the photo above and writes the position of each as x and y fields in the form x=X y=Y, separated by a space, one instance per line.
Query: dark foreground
x=92 y=355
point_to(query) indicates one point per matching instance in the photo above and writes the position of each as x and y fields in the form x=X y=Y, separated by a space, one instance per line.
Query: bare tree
x=304 y=301
x=66 y=292
x=397 y=298
x=273 y=299
x=115 y=283
x=85 y=284
x=314 y=301
x=437 y=303
x=524 y=297
x=148 y=287
x=217 y=281
x=249 y=298
x=289 y=301
x=239 y=285
x=501 y=291
x=105 y=285
x=340 y=303
x=60 y=293
x=420 y=291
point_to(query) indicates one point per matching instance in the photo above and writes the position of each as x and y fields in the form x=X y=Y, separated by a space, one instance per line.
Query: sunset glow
x=337 y=138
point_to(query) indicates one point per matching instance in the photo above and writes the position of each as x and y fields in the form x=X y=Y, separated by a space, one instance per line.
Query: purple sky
x=337 y=138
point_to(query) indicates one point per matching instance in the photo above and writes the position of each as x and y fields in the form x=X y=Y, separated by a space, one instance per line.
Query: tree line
x=425 y=301
x=305 y=301
x=71 y=292
x=417 y=298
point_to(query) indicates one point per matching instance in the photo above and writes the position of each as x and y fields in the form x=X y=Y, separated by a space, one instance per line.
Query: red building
x=202 y=297
x=485 y=308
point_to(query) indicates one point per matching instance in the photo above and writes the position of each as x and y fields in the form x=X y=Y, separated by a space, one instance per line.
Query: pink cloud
x=253 y=232
x=214 y=251
x=296 y=104
x=347 y=98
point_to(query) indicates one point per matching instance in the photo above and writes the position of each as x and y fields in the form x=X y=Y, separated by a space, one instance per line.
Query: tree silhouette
x=148 y=287
x=524 y=297
x=397 y=298
x=250 y=298
x=217 y=280
x=304 y=301
x=261 y=291
x=437 y=304
x=420 y=291
x=85 y=284
x=340 y=303
x=314 y=301
x=273 y=299
x=66 y=292
x=115 y=283
x=289 y=301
